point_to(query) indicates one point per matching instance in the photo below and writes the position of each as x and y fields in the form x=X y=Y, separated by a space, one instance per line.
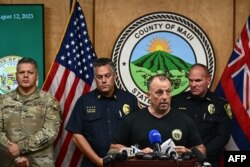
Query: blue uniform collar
x=99 y=96
x=207 y=97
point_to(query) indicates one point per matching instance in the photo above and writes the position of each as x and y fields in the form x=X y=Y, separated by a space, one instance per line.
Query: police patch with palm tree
x=160 y=43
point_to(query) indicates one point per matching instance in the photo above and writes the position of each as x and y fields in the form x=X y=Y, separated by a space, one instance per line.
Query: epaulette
x=208 y=99
x=222 y=98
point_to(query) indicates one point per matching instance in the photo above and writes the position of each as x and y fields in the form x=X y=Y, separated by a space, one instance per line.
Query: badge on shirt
x=182 y=108
x=126 y=109
x=177 y=134
x=211 y=108
x=228 y=110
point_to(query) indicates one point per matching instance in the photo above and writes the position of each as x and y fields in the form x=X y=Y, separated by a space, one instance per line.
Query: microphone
x=114 y=155
x=187 y=155
x=155 y=138
x=168 y=147
x=174 y=155
x=200 y=157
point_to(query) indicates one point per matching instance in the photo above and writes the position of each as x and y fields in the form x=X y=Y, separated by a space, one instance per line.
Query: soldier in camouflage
x=29 y=121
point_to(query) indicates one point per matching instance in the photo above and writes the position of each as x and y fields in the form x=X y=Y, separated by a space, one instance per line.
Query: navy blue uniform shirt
x=212 y=116
x=98 y=118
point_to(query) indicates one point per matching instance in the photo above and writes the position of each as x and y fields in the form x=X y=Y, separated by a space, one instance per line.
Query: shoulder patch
x=228 y=110
x=222 y=98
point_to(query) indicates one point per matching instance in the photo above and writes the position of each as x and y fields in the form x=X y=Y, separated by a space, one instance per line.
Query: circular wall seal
x=160 y=43
x=8 y=73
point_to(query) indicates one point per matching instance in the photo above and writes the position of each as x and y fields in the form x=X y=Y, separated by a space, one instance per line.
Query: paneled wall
x=222 y=20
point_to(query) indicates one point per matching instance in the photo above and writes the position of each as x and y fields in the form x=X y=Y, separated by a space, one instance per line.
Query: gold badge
x=91 y=109
x=126 y=109
x=228 y=110
x=211 y=108
x=177 y=134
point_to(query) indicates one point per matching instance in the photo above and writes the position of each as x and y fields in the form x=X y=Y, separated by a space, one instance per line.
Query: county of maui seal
x=8 y=73
x=157 y=43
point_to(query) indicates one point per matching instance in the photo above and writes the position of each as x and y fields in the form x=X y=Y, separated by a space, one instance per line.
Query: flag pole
x=70 y=5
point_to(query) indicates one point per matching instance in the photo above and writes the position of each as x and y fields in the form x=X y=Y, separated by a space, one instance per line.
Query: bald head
x=159 y=94
x=201 y=67
x=199 y=80
x=160 y=77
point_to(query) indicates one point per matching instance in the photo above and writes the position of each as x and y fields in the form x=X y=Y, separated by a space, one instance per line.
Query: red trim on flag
x=60 y=90
x=86 y=89
x=236 y=104
x=76 y=157
x=74 y=54
x=50 y=77
x=67 y=105
x=247 y=92
x=70 y=97
x=63 y=150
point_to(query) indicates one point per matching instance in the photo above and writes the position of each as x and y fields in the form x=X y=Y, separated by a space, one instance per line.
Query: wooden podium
x=153 y=163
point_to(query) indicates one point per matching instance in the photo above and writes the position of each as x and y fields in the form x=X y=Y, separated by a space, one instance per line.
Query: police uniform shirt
x=175 y=125
x=211 y=114
x=98 y=118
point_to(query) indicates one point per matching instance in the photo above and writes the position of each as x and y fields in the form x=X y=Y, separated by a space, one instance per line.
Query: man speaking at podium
x=158 y=115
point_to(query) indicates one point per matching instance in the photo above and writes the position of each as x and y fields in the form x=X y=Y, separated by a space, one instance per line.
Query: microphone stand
x=175 y=157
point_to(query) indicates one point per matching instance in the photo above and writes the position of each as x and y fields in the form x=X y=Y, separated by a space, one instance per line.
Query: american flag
x=235 y=86
x=71 y=76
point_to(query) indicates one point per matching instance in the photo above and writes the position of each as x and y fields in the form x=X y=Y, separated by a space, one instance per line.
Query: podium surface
x=153 y=163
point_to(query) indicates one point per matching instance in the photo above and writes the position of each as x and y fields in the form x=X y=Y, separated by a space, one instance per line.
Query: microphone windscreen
x=154 y=136
x=199 y=155
x=123 y=155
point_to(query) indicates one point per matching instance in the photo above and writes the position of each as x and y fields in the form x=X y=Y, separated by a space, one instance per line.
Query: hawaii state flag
x=71 y=76
x=235 y=87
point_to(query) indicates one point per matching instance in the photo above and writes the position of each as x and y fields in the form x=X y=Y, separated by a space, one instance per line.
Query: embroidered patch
x=91 y=109
x=228 y=110
x=177 y=134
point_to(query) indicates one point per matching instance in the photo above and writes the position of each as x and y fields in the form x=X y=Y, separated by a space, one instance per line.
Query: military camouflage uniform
x=33 y=123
